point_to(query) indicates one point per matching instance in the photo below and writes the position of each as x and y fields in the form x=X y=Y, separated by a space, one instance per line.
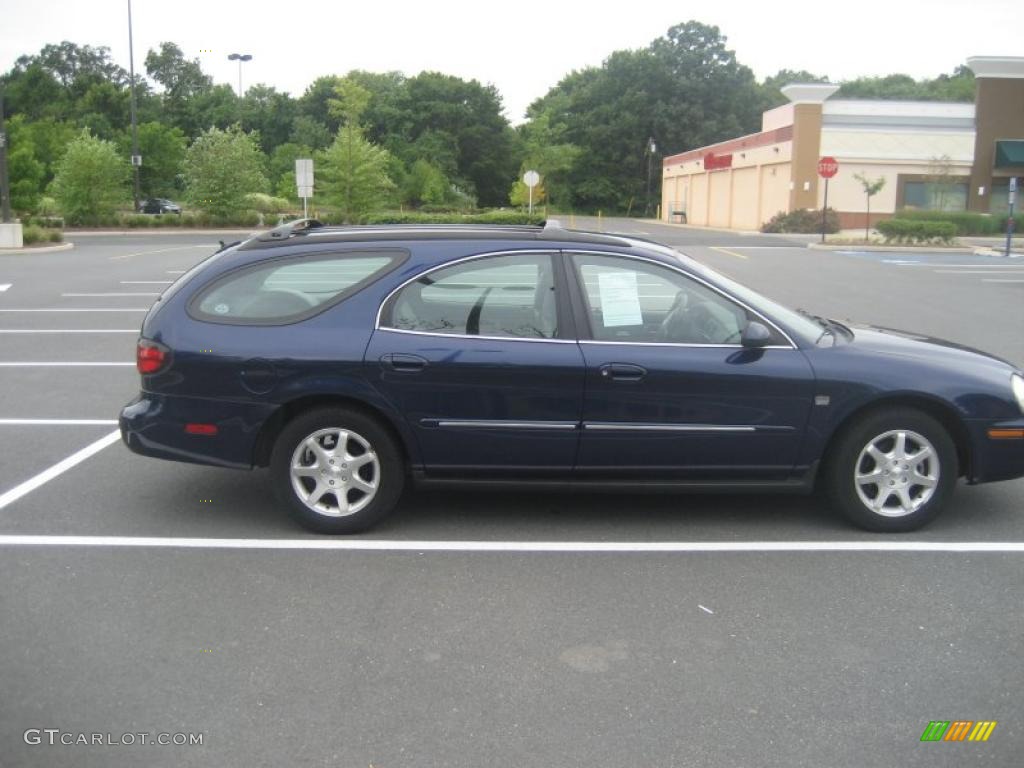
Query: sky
x=521 y=48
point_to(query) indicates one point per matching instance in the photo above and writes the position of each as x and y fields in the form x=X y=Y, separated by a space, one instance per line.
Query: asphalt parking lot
x=146 y=597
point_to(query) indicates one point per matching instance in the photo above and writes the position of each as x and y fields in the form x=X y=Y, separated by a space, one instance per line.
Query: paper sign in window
x=620 y=299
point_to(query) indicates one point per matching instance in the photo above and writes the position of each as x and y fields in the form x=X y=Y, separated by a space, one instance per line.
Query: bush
x=966 y=222
x=32 y=234
x=91 y=180
x=264 y=203
x=910 y=231
x=46 y=222
x=803 y=221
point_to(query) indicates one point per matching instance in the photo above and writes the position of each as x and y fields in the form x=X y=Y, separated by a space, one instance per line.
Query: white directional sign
x=303 y=174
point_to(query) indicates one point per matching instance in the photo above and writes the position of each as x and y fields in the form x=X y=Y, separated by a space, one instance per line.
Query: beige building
x=950 y=156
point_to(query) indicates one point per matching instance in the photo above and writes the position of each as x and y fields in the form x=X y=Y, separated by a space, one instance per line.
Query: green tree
x=163 y=151
x=546 y=151
x=871 y=188
x=354 y=170
x=221 y=168
x=91 y=180
x=281 y=168
x=26 y=177
x=520 y=194
x=425 y=184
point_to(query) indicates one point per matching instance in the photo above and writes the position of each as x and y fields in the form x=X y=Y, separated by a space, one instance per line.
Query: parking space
x=500 y=629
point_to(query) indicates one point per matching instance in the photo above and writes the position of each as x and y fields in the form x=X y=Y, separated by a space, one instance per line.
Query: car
x=355 y=362
x=158 y=205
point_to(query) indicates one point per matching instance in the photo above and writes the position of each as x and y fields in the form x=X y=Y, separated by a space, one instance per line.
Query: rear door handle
x=622 y=372
x=403 y=363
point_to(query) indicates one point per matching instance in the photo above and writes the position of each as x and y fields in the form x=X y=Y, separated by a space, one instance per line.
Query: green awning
x=1009 y=153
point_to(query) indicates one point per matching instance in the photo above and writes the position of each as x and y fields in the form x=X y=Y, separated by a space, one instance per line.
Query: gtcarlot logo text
x=55 y=736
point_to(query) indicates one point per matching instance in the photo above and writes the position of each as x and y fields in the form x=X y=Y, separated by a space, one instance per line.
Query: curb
x=893 y=248
x=30 y=249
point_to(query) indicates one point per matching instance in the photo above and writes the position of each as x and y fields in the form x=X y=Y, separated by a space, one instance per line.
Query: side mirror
x=755 y=335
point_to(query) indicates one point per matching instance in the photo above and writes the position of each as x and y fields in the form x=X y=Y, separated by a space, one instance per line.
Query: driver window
x=632 y=301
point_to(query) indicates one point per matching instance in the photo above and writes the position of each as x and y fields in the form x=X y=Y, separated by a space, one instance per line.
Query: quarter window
x=631 y=301
x=290 y=289
x=510 y=296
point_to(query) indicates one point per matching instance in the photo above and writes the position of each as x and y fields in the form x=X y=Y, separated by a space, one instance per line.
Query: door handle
x=403 y=363
x=622 y=372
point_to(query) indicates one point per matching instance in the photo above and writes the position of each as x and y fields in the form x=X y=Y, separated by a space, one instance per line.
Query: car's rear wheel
x=893 y=471
x=336 y=470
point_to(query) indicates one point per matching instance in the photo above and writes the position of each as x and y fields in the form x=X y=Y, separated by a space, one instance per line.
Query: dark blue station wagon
x=351 y=361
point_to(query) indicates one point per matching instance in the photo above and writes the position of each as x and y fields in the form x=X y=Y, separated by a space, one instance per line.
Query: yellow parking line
x=731 y=253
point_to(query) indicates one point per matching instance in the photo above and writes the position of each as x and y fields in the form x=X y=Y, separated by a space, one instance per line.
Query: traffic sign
x=531 y=179
x=827 y=167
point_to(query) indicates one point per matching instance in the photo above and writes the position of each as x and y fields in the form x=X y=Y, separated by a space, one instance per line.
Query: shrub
x=264 y=203
x=966 y=222
x=46 y=222
x=91 y=180
x=31 y=234
x=911 y=231
x=802 y=221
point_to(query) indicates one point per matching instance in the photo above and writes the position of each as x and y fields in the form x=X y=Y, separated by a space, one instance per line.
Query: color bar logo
x=958 y=730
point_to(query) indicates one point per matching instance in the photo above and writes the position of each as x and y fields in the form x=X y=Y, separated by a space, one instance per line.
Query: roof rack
x=286 y=230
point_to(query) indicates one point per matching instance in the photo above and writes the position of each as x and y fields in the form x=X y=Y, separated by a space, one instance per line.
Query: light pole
x=651 y=149
x=136 y=158
x=240 y=57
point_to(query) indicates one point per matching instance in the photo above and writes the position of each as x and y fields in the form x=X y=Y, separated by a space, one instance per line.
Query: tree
x=546 y=151
x=424 y=184
x=163 y=150
x=520 y=194
x=91 y=180
x=281 y=168
x=221 y=168
x=871 y=188
x=26 y=176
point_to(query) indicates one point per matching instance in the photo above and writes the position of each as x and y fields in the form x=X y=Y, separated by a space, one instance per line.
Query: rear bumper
x=995 y=459
x=154 y=425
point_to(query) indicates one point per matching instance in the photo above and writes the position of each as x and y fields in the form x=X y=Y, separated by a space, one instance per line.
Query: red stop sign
x=827 y=167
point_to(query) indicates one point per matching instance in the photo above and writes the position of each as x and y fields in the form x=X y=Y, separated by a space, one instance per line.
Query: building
x=937 y=155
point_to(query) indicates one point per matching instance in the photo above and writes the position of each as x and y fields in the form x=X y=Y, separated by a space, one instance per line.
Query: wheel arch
x=942 y=412
x=264 y=444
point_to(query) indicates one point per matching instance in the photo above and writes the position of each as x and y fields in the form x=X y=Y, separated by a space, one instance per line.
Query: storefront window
x=935 y=196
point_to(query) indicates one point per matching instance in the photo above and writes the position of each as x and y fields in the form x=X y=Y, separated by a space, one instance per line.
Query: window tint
x=632 y=301
x=497 y=296
x=287 y=290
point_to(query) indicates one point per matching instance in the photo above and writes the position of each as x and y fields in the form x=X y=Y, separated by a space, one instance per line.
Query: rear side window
x=288 y=290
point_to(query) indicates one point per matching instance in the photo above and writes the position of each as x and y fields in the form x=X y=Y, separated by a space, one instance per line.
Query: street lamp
x=240 y=57
x=136 y=158
x=651 y=149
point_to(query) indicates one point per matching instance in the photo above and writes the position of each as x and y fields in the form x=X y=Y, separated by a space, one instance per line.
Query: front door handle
x=622 y=372
x=403 y=363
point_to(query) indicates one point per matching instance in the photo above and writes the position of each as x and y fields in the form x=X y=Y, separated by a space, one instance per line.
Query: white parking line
x=122 y=293
x=621 y=547
x=58 y=469
x=69 y=330
x=29 y=364
x=162 y=250
x=58 y=422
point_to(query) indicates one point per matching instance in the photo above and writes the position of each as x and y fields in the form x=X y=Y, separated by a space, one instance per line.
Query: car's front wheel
x=893 y=471
x=336 y=470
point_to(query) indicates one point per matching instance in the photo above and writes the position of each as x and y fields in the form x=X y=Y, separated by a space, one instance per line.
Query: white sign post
x=531 y=179
x=304 y=182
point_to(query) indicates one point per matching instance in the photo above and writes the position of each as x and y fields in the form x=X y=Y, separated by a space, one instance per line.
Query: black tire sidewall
x=392 y=469
x=842 y=463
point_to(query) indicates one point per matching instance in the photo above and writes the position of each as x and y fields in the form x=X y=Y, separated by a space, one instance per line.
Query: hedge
x=966 y=222
x=910 y=231
x=802 y=221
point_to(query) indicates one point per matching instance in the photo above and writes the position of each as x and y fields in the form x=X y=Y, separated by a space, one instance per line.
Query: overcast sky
x=522 y=48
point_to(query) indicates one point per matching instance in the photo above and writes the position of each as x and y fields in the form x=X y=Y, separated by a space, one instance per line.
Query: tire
x=313 y=494
x=887 y=498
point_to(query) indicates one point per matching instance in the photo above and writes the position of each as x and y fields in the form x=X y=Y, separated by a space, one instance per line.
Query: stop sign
x=827 y=167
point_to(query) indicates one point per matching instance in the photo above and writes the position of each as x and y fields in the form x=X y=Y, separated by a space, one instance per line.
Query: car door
x=670 y=391
x=481 y=358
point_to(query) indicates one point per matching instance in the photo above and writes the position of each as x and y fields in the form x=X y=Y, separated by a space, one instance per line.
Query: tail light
x=151 y=357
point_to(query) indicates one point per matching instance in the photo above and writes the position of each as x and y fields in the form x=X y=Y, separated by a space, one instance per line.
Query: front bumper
x=154 y=425
x=995 y=459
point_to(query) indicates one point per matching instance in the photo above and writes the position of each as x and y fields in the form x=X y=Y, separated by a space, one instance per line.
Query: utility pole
x=136 y=158
x=5 y=185
x=651 y=149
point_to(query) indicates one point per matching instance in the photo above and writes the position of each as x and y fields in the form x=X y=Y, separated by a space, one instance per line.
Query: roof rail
x=290 y=228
